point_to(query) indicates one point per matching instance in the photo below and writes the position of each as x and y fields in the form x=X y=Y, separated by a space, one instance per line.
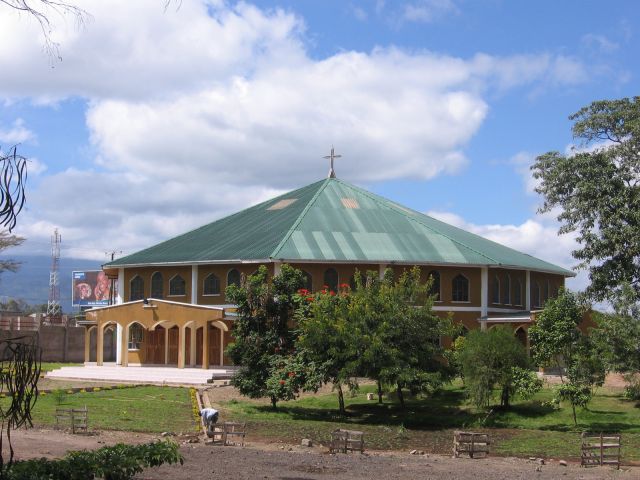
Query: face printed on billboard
x=90 y=289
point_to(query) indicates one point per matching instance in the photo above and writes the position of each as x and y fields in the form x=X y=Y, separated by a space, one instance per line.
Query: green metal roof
x=332 y=220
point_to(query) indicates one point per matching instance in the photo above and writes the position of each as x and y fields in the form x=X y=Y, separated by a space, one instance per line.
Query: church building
x=170 y=306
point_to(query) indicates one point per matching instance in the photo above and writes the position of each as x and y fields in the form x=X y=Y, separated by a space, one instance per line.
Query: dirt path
x=283 y=462
x=255 y=462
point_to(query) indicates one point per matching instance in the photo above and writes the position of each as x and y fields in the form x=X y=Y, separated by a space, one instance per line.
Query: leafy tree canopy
x=596 y=189
x=557 y=341
x=264 y=346
x=495 y=359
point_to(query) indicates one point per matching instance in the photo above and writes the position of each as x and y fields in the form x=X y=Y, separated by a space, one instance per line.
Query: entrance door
x=155 y=346
x=199 y=346
x=173 y=345
x=214 y=345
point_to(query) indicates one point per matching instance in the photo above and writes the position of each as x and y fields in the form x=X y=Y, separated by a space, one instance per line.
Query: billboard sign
x=90 y=289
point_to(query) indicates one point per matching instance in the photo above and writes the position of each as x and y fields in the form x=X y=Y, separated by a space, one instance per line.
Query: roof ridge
x=392 y=205
x=300 y=217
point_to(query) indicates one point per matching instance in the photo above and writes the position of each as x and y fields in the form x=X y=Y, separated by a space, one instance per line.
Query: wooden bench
x=600 y=449
x=77 y=418
x=346 y=441
x=232 y=431
x=476 y=445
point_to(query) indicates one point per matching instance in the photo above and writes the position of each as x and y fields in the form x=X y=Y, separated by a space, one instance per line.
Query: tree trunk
x=504 y=397
x=379 y=392
x=341 y=399
x=274 y=403
x=400 y=396
x=575 y=420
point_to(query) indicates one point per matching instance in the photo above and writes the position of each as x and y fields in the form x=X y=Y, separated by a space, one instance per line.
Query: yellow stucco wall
x=167 y=274
x=345 y=271
x=221 y=272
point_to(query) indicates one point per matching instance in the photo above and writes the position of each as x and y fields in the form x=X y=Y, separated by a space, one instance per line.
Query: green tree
x=7 y=241
x=495 y=359
x=618 y=339
x=407 y=335
x=557 y=341
x=383 y=329
x=329 y=339
x=264 y=338
x=596 y=189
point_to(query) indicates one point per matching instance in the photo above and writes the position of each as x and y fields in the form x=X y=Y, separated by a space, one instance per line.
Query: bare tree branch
x=41 y=11
x=13 y=175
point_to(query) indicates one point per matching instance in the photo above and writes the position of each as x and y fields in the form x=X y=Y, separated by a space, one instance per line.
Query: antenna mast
x=54 y=312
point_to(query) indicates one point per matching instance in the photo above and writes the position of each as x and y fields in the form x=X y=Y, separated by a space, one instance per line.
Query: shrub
x=632 y=390
x=118 y=462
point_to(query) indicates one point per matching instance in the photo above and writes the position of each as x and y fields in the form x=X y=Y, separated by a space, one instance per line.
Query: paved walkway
x=137 y=374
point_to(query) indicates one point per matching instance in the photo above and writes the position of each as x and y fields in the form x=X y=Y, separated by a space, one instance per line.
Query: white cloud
x=427 y=11
x=16 y=133
x=359 y=12
x=600 y=43
x=202 y=111
x=35 y=166
x=138 y=50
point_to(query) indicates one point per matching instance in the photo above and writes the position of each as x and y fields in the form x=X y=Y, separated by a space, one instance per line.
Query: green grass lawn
x=48 y=366
x=427 y=423
x=138 y=409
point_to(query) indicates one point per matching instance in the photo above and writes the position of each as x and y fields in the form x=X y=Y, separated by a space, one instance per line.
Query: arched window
x=177 y=286
x=211 y=285
x=233 y=277
x=136 y=290
x=157 y=288
x=506 y=290
x=460 y=288
x=136 y=333
x=521 y=335
x=496 y=289
x=331 y=279
x=308 y=281
x=434 y=275
x=517 y=292
x=536 y=294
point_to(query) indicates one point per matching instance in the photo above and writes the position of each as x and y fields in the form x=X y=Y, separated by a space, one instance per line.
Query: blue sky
x=156 y=121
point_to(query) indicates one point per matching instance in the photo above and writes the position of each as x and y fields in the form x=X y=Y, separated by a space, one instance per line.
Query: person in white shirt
x=210 y=417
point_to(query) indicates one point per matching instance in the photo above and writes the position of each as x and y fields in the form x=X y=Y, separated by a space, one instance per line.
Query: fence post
x=601 y=450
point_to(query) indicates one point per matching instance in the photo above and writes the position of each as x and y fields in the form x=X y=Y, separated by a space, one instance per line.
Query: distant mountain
x=31 y=281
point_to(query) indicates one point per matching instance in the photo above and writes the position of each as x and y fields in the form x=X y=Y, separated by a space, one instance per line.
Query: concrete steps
x=146 y=375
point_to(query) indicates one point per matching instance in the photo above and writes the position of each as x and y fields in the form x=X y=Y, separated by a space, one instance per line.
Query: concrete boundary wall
x=63 y=343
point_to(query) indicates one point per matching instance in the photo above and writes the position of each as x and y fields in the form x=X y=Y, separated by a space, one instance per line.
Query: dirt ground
x=287 y=462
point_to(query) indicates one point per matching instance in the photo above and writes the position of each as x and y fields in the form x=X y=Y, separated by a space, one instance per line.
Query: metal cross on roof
x=332 y=156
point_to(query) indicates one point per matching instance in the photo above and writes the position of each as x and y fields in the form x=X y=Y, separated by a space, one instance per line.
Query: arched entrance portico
x=166 y=333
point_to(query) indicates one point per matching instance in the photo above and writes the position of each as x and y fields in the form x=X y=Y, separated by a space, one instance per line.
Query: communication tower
x=54 y=312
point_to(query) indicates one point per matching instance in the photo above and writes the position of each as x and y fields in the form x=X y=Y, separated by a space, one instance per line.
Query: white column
x=527 y=291
x=119 y=300
x=484 y=296
x=194 y=284
x=120 y=287
x=276 y=267
x=381 y=268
